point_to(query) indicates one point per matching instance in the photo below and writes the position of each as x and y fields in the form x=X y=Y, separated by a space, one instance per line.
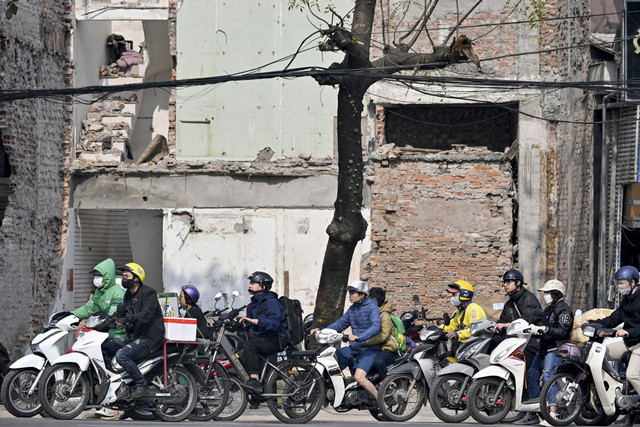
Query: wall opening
x=440 y=127
x=5 y=174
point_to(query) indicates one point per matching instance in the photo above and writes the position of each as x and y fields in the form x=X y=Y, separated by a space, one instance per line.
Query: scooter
x=587 y=384
x=84 y=377
x=20 y=386
x=497 y=389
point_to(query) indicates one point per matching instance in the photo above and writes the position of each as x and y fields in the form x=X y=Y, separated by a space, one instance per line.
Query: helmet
x=358 y=286
x=136 y=269
x=553 y=285
x=191 y=294
x=628 y=273
x=263 y=278
x=465 y=288
x=513 y=275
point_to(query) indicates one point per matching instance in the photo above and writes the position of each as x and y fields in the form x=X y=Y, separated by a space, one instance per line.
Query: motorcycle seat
x=304 y=353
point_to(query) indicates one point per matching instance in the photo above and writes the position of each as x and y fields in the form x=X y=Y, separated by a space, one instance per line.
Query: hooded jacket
x=364 y=319
x=462 y=320
x=271 y=316
x=105 y=298
x=629 y=313
x=385 y=336
x=521 y=305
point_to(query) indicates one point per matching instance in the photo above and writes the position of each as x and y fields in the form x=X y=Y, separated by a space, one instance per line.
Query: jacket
x=271 y=316
x=558 y=318
x=364 y=319
x=521 y=305
x=462 y=320
x=143 y=316
x=629 y=313
x=385 y=337
x=203 y=331
x=105 y=298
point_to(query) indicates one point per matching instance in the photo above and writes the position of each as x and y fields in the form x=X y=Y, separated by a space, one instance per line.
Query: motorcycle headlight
x=469 y=351
x=504 y=353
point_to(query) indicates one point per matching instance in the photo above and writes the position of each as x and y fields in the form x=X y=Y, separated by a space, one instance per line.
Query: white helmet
x=358 y=286
x=553 y=285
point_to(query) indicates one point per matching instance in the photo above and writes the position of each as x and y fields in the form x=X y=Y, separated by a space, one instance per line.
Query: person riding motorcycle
x=459 y=326
x=141 y=315
x=268 y=327
x=188 y=299
x=364 y=318
x=557 y=320
x=385 y=336
x=106 y=296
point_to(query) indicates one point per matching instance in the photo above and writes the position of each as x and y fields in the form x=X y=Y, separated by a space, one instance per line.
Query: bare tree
x=348 y=226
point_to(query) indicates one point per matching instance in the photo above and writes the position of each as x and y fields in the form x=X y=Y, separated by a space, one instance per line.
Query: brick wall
x=437 y=218
x=33 y=54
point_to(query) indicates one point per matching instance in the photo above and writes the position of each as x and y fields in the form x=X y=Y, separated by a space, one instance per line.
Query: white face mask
x=455 y=301
x=97 y=281
x=547 y=297
x=623 y=290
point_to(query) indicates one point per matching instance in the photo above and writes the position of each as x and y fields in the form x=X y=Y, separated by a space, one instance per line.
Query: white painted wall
x=145 y=232
x=232 y=243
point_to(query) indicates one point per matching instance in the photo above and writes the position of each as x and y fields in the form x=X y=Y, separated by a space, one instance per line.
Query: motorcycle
x=84 y=377
x=20 y=386
x=586 y=389
x=409 y=318
x=497 y=389
x=5 y=361
x=404 y=391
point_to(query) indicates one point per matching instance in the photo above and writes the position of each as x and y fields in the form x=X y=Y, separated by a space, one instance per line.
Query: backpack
x=293 y=314
x=398 y=333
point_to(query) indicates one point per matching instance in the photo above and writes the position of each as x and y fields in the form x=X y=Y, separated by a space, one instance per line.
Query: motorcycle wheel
x=396 y=400
x=212 y=395
x=54 y=391
x=481 y=392
x=592 y=413
x=556 y=390
x=140 y=415
x=236 y=403
x=181 y=380
x=15 y=396
x=445 y=391
x=305 y=389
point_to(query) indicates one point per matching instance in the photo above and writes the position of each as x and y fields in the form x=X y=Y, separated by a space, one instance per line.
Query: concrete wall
x=36 y=135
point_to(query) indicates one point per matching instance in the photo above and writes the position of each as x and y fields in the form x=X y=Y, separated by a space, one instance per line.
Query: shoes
x=104 y=412
x=253 y=386
x=529 y=419
x=139 y=391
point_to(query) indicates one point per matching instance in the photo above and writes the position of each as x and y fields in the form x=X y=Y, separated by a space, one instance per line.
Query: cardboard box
x=178 y=329
x=492 y=305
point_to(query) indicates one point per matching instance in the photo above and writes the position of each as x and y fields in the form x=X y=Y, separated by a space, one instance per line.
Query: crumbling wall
x=36 y=135
x=437 y=218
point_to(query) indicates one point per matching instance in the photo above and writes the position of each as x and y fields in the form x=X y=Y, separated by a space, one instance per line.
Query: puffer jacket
x=271 y=317
x=364 y=319
x=105 y=298
x=385 y=337
x=521 y=305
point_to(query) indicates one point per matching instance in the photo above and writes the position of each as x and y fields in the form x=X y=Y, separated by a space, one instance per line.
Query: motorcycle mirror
x=235 y=295
x=218 y=296
x=447 y=319
x=416 y=299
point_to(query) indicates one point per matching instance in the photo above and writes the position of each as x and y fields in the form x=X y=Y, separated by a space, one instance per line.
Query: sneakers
x=253 y=386
x=104 y=412
x=139 y=391
x=529 y=419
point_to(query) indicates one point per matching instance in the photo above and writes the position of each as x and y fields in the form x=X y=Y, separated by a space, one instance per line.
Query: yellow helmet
x=465 y=288
x=135 y=269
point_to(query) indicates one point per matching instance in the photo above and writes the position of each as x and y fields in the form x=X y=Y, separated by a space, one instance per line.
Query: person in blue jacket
x=267 y=327
x=364 y=318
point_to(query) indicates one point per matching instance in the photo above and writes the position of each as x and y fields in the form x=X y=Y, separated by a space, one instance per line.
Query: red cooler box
x=180 y=329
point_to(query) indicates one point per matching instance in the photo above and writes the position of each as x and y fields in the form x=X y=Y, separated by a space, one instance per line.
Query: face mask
x=455 y=301
x=97 y=281
x=127 y=283
x=623 y=290
x=547 y=298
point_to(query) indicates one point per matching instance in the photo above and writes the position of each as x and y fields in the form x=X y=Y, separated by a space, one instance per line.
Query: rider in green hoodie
x=106 y=297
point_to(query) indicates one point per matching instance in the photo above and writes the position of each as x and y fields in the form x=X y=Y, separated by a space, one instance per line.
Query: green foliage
x=12 y=8
x=311 y=4
x=533 y=11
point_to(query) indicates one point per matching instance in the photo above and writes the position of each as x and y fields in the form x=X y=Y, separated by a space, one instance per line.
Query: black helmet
x=263 y=278
x=513 y=275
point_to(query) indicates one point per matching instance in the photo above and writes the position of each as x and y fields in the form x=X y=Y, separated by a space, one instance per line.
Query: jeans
x=535 y=372
x=128 y=352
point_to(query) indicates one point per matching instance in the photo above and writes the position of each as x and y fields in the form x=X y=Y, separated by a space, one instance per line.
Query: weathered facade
x=35 y=139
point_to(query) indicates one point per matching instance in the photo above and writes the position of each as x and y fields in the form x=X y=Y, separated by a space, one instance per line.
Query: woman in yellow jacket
x=385 y=336
x=468 y=312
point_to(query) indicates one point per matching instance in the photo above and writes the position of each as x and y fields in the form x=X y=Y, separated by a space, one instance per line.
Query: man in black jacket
x=141 y=315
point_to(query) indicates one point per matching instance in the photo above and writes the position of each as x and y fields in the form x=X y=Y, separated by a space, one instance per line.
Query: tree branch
x=461 y=21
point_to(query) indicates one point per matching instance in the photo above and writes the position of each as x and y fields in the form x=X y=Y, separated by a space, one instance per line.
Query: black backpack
x=293 y=314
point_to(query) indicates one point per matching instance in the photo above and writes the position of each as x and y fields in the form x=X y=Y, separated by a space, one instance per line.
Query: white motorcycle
x=20 y=386
x=497 y=389
x=83 y=377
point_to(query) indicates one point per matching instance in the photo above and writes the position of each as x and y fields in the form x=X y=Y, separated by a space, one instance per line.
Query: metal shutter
x=627 y=146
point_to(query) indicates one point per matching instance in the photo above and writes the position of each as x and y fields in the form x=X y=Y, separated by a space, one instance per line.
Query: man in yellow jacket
x=468 y=312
